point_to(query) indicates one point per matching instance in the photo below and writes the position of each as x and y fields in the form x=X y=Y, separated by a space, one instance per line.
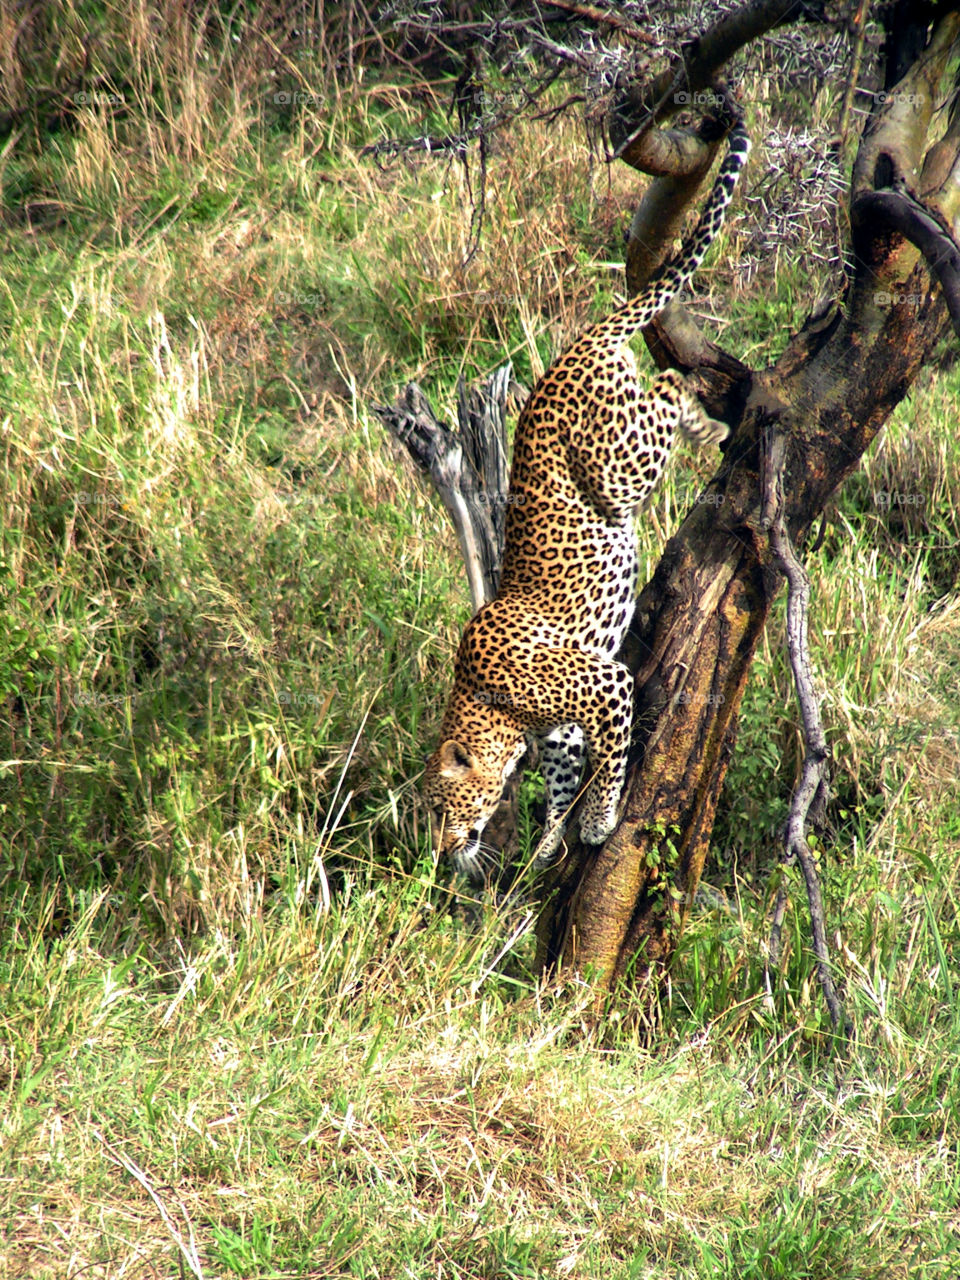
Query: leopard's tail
x=618 y=327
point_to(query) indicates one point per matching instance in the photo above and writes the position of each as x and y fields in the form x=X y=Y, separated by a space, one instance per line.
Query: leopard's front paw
x=716 y=432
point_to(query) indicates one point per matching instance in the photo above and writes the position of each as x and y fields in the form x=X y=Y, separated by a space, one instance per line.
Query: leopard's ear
x=455 y=760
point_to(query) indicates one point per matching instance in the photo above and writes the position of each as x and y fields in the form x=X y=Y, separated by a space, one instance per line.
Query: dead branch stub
x=467 y=465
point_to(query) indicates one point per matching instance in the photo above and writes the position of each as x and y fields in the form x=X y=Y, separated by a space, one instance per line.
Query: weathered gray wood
x=466 y=465
x=810 y=794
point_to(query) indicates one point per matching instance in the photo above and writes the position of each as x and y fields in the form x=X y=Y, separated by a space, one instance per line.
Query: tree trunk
x=614 y=915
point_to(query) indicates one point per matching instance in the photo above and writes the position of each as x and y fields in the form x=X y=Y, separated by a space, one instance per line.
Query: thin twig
x=812 y=789
x=858 y=24
x=605 y=18
x=497 y=117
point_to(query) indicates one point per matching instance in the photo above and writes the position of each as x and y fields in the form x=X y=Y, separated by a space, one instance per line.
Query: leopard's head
x=462 y=791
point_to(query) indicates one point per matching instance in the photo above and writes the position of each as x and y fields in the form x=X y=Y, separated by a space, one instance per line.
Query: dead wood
x=467 y=466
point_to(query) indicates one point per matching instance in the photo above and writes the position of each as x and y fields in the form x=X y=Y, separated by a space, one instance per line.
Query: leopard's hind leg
x=620 y=446
x=690 y=419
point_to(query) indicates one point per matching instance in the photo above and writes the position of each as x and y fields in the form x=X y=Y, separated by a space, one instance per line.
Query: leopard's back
x=591 y=443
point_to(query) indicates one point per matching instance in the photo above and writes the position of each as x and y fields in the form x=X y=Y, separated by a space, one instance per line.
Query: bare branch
x=498 y=112
x=703 y=58
x=682 y=158
x=902 y=212
x=604 y=17
x=811 y=791
x=721 y=381
x=675 y=153
x=858 y=26
x=674 y=338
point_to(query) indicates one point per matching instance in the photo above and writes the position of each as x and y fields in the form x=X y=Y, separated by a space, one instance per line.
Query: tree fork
x=615 y=912
x=612 y=913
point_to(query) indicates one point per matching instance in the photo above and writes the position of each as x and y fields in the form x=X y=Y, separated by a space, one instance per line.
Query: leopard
x=539 y=660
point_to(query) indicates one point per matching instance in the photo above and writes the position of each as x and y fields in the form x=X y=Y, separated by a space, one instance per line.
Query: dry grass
x=246 y=1029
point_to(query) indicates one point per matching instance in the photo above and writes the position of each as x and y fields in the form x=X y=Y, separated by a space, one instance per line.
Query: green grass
x=350 y=1089
x=246 y=1026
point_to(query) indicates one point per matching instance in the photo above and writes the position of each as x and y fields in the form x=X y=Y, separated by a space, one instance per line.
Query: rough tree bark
x=614 y=915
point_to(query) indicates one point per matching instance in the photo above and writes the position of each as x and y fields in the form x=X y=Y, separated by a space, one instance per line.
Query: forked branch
x=811 y=792
x=901 y=212
x=467 y=466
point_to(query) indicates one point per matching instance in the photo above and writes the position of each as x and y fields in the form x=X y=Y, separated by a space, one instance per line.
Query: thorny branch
x=632 y=70
x=479 y=118
x=811 y=792
x=605 y=18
